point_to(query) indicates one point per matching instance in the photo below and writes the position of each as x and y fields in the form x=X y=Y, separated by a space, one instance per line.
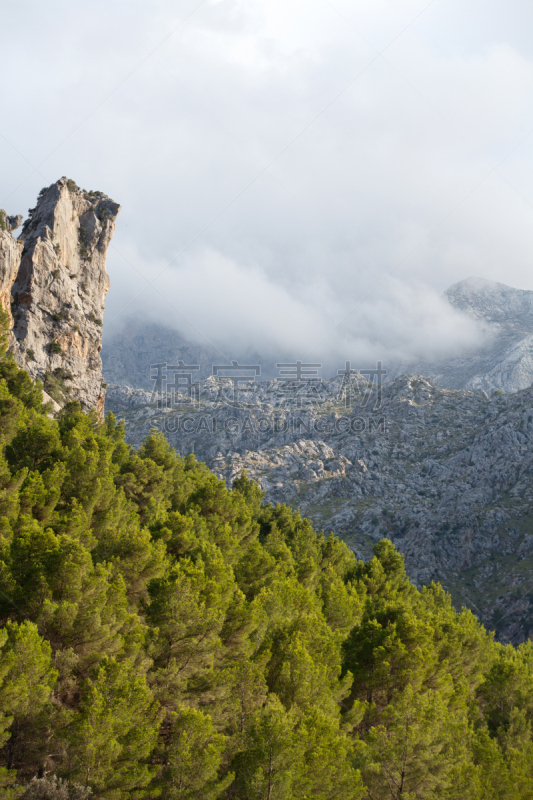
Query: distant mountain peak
x=475 y=284
x=505 y=360
x=492 y=301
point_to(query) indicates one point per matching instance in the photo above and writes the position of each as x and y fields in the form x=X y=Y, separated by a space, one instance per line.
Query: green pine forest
x=163 y=637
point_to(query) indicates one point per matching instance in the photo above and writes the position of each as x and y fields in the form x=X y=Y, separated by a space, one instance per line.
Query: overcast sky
x=302 y=176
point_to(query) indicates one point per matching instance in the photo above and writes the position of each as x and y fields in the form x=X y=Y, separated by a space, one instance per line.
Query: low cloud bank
x=214 y=301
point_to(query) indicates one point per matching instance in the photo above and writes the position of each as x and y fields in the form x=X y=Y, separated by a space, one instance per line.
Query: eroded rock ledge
x=53 y=283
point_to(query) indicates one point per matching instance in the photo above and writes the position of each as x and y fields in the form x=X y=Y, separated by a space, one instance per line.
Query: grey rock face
x=10 y=255
x=505 y=362
x=53 y=282
x=445 y=474
x=12 y=223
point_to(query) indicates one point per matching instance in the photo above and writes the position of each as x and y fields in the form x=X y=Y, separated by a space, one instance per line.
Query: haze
x=299 y=178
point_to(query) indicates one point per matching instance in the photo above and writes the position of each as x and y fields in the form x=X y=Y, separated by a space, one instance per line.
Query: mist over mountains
x=504 y=360
x=496 y=352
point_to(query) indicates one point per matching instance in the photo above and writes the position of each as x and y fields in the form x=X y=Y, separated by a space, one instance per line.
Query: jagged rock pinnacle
x=53 y=283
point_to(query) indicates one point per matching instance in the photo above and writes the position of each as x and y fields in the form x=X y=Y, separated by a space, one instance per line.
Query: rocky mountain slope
x=447 y=475
x=505 y=361
x=53 y=283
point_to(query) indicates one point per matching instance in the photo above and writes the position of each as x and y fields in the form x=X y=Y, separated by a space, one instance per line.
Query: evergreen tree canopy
x=164 y=637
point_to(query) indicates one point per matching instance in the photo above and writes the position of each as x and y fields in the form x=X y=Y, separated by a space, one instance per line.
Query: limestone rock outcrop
x=53 y=283
x=10 y=255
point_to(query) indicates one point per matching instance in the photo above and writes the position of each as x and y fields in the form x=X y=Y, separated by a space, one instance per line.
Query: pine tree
x=192 y=758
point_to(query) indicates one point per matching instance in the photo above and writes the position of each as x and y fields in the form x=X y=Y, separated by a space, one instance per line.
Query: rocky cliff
x=53 y=283
x=10 y=255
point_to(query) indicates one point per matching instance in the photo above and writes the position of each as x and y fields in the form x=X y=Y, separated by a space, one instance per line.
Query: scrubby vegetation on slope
x=164 y=637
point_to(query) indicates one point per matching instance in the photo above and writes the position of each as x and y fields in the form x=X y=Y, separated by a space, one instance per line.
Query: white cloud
x=283 y=169
x=239 y=310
